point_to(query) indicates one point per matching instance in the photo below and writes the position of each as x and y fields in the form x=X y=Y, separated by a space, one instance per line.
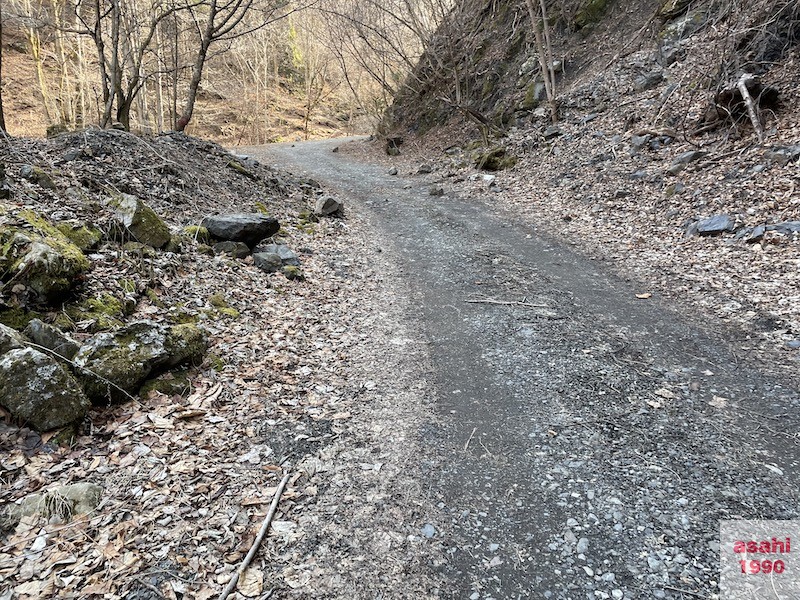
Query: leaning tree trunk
x=197 y=75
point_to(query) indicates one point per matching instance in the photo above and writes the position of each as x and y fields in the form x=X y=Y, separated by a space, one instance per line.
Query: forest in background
x=238 y=71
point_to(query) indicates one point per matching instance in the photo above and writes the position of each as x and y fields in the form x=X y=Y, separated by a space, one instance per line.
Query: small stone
x=140 y=220
x=552 y=132
x=267 y=261
x=654 y=564
x=494 y=547
x=428 y=530
x=589 y=571
x=393 y=171
x=617 y=594
x=583 y=546
x=682 y=160
x=436 y=191
x=288 y=257
x=424 y=169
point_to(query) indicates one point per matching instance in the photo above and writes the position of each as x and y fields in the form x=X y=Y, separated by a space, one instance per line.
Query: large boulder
x=115 y=365
x=140 y=220
x=248 y=228
x=38 y=391
x=37 y=255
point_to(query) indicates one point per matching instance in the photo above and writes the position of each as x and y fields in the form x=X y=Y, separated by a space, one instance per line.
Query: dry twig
x=257 y=542
x=751 y=107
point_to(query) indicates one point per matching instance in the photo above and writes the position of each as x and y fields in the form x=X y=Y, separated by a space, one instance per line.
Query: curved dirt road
x=586 y=443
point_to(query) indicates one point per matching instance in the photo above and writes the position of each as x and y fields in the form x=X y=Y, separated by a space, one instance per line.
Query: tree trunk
x=194 y=84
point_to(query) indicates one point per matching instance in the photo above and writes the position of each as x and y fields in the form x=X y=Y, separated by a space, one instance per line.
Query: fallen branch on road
x=506 y=303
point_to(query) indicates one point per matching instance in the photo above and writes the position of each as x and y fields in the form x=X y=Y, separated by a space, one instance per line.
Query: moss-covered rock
x=235 y=165
x=104 y=311
x=38 y=391
x=293 y=273
x=186 y=344
x=590 y=13
x=38 y=176
x=495 y=159
x=115 y=365
x=673 y=8
x=10 y=339
x=198 y=233
x=61 y=503
x=85 y=237
x=17 y=318
x=174 y=383
x=35 y=253
x=139 y=249
x=52 y=338
x=140 y=220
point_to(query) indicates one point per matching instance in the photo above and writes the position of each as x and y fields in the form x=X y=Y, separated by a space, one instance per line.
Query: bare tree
x=222 y=21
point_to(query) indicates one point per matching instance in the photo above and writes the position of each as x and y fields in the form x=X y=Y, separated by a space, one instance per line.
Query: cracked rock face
x=38 y=391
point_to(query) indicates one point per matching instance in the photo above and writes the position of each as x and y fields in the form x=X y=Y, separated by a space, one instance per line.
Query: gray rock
x=51 y=338
x=752 y=234
x=140 y=220
x=267 y=261
x=783 y=155
x=287 y=256
x=327 y=205
x=38 y=176
x=638 y=141
x=63 y=502
x=715 y=225
x=38 y=391
x=249 y=228
x=234 y=249
x=680 y=161
x=648 y=80
x=552 y=132
x=10 y=339
x=393 y=171
x=787 y=227
x=582 y=546
x=114 y=365
x=428 y=530
x=425 y=169
x=436 y=191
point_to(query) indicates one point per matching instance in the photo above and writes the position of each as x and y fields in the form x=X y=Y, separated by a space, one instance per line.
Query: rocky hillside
x=654 y=164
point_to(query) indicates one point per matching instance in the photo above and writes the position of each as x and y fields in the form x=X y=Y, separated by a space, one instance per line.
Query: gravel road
x=584 y=443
